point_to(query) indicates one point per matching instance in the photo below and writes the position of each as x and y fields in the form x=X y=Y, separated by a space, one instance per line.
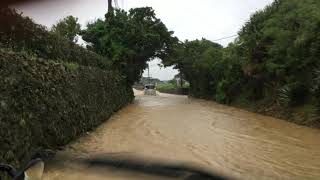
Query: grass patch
x=173 y=88
x=71 y=66
x=166 y=87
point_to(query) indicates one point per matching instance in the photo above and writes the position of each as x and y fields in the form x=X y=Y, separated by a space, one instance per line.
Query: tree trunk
x=181 y=80
x=110 y=8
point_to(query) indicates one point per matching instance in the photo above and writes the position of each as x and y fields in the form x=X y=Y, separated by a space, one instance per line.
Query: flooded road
x=171 y=128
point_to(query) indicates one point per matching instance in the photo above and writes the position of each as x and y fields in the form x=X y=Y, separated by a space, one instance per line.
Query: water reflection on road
x=223 y=139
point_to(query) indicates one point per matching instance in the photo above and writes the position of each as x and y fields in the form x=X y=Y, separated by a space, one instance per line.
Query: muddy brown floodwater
x=171 y=128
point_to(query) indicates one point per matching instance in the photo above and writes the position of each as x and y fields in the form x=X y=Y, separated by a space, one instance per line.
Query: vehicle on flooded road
x=150 y=90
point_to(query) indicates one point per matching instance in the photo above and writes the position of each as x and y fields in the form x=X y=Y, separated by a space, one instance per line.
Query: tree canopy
x=67 y=27
x=274 y=59
x=211 y=70
x=130 y=39
x=280 y=44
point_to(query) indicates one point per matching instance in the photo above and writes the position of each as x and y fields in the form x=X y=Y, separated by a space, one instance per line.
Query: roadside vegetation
x=272 y=67
x=172 y=87
x=164 y=87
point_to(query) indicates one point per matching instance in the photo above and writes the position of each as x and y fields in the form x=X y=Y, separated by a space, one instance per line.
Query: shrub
x=294 y=94
x=316 y=89
x=221 y=91
x=22 y=34
x=45 y=104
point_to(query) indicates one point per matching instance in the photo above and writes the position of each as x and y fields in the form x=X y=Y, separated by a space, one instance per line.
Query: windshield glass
x=148 y=89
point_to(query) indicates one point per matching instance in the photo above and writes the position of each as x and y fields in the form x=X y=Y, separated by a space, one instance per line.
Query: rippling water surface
x=173 y=128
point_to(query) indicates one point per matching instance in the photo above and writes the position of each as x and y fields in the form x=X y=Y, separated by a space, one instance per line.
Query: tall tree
x=130 y=40
x=280 y=47
x=68 y=27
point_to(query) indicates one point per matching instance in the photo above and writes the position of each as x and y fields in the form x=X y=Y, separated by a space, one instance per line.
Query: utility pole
x=110 y=8
x=149 y=79
x=181 y=81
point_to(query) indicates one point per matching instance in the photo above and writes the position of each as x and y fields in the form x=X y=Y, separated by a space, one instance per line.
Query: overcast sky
x=189 y=19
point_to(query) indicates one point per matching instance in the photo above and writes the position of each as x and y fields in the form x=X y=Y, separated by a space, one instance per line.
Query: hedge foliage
x=45 y=104
x=20 y=33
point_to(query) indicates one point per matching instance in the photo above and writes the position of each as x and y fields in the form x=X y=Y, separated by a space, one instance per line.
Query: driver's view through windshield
x=148 y=89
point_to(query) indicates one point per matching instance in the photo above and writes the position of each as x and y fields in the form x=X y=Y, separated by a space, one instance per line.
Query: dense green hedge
x=20 y=33
x=44 y=104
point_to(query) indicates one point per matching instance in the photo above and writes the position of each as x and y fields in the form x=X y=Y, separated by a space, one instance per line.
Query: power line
x=228 y=37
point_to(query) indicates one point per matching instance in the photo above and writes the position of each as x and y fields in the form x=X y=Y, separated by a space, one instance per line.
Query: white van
x=150 y=90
